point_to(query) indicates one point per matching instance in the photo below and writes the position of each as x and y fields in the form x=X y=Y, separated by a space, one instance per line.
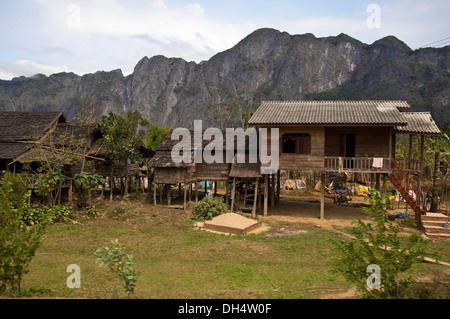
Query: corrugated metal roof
x=370 y=112
x=418 y=123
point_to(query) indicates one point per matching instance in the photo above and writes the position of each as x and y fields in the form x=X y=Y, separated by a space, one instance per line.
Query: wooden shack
x=167 y=173
x=19 y=131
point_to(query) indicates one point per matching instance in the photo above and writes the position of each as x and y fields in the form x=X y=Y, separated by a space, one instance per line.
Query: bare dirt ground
x=303 y=207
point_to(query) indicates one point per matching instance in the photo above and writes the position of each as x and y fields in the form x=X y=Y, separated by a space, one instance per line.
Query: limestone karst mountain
x=266 y=65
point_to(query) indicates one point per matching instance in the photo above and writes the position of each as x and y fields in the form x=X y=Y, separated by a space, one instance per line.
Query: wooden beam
x=255 y=199
x=266 y=193
x=322 y=195
x=390 y=148
x=169 y=194
x=421 y=154
x=70 y=194
x=185 y=195
x=410 y=151
x=155 y=186
x=227 y=193
x=233 y=194
x=278 y=185
x=196 y=191
x=272 y=191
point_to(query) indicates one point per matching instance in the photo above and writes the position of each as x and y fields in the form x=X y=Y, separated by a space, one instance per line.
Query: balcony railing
x=357 y=164
x=409 y=165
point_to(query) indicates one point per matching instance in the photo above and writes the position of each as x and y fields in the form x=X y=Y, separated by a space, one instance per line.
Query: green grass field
x=174 y=260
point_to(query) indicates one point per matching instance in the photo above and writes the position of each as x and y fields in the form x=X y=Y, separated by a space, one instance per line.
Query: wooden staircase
x=433 y=224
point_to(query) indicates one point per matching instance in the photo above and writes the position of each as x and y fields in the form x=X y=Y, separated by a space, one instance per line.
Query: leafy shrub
x=208 y=208
x=93 y=212
x=124 y=210
x=378 y=243
x=32 y=215
x=59 y=213
x=121 y=264
x=18 y=241
x=15 y=186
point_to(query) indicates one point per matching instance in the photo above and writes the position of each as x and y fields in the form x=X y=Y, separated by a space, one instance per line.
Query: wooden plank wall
x=314 y=161
x=170 y=175
x=370 y=141
x=212 y=172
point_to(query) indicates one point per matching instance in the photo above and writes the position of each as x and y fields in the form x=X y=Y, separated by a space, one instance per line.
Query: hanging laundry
x=377 y=162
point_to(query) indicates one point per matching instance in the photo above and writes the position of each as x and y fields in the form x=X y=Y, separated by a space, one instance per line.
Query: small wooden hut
x=167 y=173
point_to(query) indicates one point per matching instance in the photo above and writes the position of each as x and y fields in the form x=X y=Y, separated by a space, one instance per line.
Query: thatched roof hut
x=19 y=131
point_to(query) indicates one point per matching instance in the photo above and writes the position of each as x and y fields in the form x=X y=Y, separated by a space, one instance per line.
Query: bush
x=377 y=243
x=117 y=261
x=93 y=212
x=18 y=242
x=35 y=214
x=124 y=210
x=208 y=208
x=15 y=186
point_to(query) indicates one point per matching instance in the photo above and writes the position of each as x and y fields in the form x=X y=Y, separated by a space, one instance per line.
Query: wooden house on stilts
x=350 y=136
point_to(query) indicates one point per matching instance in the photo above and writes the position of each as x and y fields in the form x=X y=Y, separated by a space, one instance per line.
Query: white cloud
x=111 y=34
x=159 y=4
x=28 y=68
x=85 y=36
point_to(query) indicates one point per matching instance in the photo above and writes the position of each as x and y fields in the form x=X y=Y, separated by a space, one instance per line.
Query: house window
x=296 y=143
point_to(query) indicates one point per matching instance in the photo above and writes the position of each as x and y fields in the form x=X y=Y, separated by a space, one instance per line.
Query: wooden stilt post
x=196 y=191
x=70 y=192
x=155 y=186
x=419 y=176
x=185 y=194
x=255 y=199
x=322 y=195
x=245 y=193
x=272 y=191
x=111 y=186
x=266 y=193
x=169 y=194
x=227 y=193
x=233 y=194
x=278 y=185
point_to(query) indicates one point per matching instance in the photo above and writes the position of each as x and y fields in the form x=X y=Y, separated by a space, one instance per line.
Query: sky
x=80 y=36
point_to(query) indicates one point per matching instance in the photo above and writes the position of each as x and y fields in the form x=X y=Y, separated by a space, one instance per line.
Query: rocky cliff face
x=266 y=65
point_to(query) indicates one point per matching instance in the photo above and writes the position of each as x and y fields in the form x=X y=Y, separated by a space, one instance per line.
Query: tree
x=18 y=241
x=154 y=135
x=440 y=148
x=86 y=121
x=377 y=243
x=122 y=139
x=58 y=150
x=85 y=182
x=120 y=263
